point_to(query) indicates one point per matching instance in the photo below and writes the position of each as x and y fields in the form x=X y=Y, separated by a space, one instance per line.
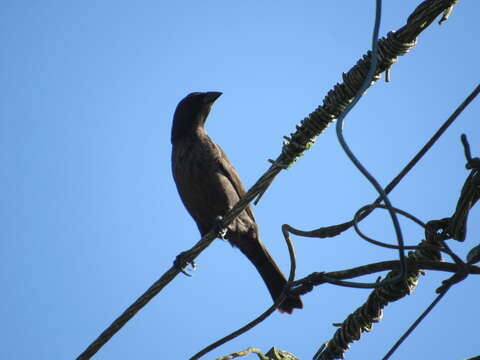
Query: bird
x=209 y=186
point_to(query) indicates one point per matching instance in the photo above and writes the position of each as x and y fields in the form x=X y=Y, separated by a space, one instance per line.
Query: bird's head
x=191 y=113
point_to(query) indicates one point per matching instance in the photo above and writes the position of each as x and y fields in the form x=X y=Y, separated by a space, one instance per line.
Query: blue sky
x=90 y=214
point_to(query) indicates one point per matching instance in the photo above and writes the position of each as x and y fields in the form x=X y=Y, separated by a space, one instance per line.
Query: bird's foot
x=182 y=261
x=219 y=230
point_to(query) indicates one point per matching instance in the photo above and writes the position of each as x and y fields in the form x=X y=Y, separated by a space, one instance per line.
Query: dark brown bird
x=209 y=186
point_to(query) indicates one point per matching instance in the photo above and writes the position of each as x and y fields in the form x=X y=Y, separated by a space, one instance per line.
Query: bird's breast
x=199 y=181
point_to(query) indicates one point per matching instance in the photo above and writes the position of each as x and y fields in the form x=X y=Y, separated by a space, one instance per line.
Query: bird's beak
x=211 y=96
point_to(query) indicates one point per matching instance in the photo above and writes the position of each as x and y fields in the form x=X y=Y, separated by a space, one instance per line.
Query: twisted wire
x=470 y=194
x=342 y=94
x=436 y=232
x=362 y=319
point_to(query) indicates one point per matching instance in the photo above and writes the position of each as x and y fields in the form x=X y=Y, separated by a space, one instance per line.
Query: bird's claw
x=182 y=261
x=219 y=230
x=222 y=233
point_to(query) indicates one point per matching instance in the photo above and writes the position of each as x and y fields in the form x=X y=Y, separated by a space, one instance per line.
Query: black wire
x=380 y=243
x=373 y=66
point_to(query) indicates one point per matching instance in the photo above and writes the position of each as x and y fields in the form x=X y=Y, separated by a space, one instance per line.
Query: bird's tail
x=268 y=269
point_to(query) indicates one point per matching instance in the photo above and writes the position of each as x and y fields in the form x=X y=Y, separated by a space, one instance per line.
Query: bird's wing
x=227 y=169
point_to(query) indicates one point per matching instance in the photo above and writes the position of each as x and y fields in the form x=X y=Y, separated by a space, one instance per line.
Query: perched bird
x=209 y=186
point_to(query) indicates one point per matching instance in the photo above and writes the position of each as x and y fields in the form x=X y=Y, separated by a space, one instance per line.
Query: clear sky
x=90 y=216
